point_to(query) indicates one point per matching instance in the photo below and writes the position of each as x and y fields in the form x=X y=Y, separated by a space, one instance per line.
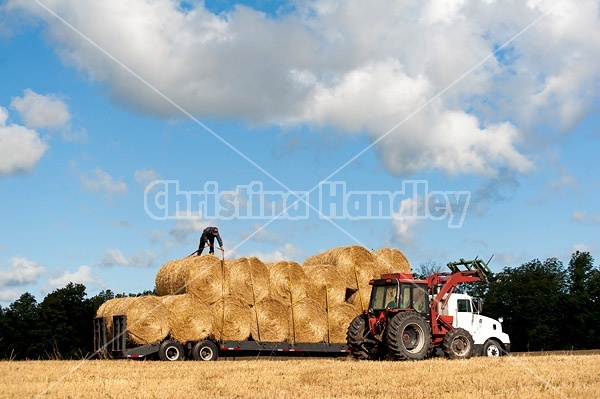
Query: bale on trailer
x=308 y=322
x=201 y=276
x=326 y=285
x=190 y=319
x=247 y=279
x=287 y=281
x=339 y=318
x=390 y=260
x=361 y=297
x=232 y=318
x=147 y=317
x=354 y=263
x=270 y=321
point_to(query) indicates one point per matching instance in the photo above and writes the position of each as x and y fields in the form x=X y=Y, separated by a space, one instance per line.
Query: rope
x=362 y=303
x=328 y=315
x=292 y=303
x=222 y=294
x=254 y=298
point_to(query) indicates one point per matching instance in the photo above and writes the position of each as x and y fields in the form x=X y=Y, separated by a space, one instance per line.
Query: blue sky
x=495 y=102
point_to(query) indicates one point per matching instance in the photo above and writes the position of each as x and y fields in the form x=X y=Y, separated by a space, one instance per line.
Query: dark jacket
x=207 y=234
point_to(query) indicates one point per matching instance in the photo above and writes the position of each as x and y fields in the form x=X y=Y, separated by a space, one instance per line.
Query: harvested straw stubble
x=287 y=281
x=247 y=279
x=390 y=260
x=340 y=317
x=190 y=319
x=147 y=317
x=201 y=276
x=232 y=318
x=354 y=263
x=270 y=321
x=309 y=323
x=322 y=278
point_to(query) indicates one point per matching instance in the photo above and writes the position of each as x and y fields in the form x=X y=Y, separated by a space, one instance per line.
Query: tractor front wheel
x=408 y=337
x=361 y=342
x=458 y=344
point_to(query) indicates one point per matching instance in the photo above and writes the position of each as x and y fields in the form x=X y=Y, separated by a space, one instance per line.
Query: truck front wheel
x=458 y=344
x=205 y=351
x=171 y=350
x=492 y=348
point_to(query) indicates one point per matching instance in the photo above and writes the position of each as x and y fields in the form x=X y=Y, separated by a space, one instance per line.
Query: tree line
x=544 y=306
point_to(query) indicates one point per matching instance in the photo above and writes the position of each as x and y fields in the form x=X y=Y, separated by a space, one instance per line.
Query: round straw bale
x=287 y=278
x=109 y=309
x=270 y=321
x=201 y=276
x=232 y=318
x=309 y=322
x=354 y=263
x=390 y=260
x=247 y=279
x=147 y=320
x=361 y=297
x=325 y=279
x=340 y=317
x=190 y=319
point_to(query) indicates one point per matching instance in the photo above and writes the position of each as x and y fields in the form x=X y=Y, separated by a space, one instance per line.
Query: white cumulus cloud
x=455 y=86
x=114 y=257
x=99 y=181
x=21 y=271
x=20 y=148
x=40 y=111
x=83 y=275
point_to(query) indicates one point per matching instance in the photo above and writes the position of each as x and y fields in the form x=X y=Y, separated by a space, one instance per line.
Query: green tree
x=21 y=335
x=582 y=315
x=67 y=316
x=532 y=299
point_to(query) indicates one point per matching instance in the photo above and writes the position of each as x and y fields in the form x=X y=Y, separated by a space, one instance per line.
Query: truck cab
x=487 y=333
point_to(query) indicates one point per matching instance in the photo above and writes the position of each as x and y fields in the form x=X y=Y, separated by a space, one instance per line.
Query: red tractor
x=407 y=318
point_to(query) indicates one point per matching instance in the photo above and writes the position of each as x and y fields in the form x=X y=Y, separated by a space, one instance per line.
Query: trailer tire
x=205 y=351
x=491 y=348
x=171 y=350
x=361 y=342
x=408 y=337
x=458 y=344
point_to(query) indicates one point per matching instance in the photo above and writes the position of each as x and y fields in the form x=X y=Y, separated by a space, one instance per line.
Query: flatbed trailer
x=205 y=350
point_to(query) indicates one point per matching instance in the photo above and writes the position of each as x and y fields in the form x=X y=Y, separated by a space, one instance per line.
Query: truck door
x=464 y=315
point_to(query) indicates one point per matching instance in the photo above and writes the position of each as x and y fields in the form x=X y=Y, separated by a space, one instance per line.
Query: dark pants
x=211 y=249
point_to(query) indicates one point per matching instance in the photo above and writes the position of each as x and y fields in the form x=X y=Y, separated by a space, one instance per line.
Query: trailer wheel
x=362 y=344
x=458 y=344
x=205 y=351
x=408 y=337
x=171 y=350
x=492 y=348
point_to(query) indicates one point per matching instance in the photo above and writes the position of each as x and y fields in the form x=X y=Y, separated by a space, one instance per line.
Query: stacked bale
x=308 y=322
x=247 y=279
x=147 y=317
x=270 y=321
x=201 y=276
x=390 y=260
x=326 y=285
x=288 y=283
x=232 y=318
x=354 y=263
x=339 y=318
x=190 y=319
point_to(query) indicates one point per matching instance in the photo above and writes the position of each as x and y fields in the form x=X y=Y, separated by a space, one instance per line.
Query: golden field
x=532 y=377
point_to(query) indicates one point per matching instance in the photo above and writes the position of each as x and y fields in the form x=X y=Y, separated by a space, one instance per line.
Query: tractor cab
x=399 y=292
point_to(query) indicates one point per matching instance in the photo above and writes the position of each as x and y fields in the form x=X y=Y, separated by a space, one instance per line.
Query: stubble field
x=532 y=377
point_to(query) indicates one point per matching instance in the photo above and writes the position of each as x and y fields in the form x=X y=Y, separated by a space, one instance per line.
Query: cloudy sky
x=446 y=129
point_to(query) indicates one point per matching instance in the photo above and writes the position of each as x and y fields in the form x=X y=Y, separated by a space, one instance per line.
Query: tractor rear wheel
x=408 y=337
x=458 y=344
x=361 y=342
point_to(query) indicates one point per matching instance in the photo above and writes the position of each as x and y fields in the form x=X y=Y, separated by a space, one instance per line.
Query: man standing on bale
x=208 y=238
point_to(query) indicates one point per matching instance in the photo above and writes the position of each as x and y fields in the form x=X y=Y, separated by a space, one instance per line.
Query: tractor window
x=420 y=299
x=463 y=305
x=405 y=297
x=383 y=296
